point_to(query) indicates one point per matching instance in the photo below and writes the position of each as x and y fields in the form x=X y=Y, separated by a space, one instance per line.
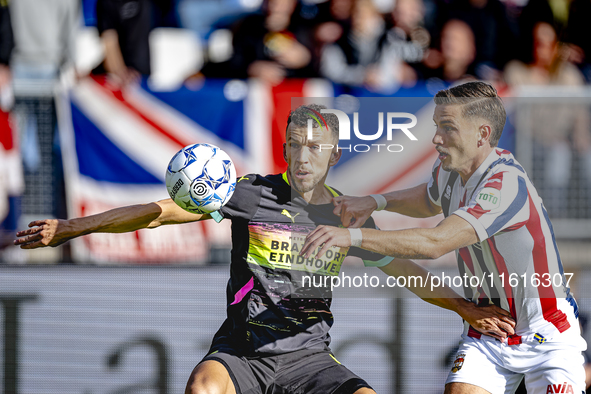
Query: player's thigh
x=477 y=369
x=319 y=372
x=210 y=377
x=561 y=371
x=464 y=388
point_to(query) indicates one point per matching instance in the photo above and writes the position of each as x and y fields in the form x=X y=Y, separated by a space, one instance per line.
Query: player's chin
x=304 y=186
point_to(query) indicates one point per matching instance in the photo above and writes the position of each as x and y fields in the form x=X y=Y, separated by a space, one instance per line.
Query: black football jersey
x=271 y=309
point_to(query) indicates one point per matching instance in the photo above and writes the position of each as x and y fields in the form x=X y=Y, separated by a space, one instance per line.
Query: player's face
x=456 y=139
x=309 y=159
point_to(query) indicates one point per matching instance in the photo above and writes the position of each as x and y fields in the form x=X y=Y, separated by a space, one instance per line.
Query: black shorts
x=299 y=372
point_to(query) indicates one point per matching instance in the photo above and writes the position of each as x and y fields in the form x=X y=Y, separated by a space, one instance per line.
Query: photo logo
x=345 y=130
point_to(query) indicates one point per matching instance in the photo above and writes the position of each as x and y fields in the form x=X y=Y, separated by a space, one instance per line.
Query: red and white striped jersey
x=516 y=264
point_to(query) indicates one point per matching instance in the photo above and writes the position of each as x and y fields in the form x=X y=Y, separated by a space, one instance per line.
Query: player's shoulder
x=504 y=161
x=247 y=179
x=504 y=169
x=505 y=178
x=247 y=185
x=258 y=181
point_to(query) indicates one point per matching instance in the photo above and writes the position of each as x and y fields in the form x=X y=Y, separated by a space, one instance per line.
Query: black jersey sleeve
x=244 y=202
x=107 y=15
x=370 y=259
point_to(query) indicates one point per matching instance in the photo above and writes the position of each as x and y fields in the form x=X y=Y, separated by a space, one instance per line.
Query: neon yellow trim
x=269 y=326
x=333 y=357
x=334 y=194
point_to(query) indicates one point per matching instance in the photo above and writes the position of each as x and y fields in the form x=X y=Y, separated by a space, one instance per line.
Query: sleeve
x=437 y=179
x=71 y=26
x=244 y=202
x=499 y=205
x=370 y=259
x=107 y=15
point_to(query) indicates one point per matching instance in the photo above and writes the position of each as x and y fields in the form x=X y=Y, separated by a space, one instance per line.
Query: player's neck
x=474 y=165
x=319 y=195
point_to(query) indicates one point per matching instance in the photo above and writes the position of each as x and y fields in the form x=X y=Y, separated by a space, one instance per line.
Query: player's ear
x=335 y=156
x=485 y=133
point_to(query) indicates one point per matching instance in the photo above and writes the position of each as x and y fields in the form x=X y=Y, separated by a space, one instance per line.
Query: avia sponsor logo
x=345 y=131
x=560 y=388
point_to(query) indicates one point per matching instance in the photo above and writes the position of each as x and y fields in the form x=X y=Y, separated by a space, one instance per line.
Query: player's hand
x=354 y=211
x=325 y=236
x=47 y=232
x=489 y=320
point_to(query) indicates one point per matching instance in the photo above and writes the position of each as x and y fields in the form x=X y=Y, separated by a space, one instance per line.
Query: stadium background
x=136 y=312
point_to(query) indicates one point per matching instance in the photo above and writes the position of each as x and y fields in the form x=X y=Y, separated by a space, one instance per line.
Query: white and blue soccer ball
x=201 y=178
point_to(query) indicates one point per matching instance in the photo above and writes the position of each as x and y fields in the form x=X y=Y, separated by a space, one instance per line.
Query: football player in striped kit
x=497 y=224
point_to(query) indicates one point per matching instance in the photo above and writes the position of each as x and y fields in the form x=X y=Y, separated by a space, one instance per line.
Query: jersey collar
x=330 y=189
x=483 y=168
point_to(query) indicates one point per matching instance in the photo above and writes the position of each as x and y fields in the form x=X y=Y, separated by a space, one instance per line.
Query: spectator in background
x=363 y=56
x=11 y=177
x=268 y=46
x=44 y=34
x=553 y=12
x=334 y=22
x=578 y=34
x=548 y=65
x=554 y=125
x=494 y=36
x=454 y=61
x=6 y=46
x=407 y=36
x=124 y=27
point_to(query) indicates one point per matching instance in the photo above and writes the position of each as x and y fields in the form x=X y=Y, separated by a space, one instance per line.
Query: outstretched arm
x=489 y=320
x=414 y=202
x=417 y=243
x=54 y=232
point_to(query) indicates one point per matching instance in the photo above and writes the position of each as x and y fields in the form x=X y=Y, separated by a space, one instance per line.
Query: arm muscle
x=421 y=243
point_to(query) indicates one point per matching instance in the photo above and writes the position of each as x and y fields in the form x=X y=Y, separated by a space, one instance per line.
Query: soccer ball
x=201 y=178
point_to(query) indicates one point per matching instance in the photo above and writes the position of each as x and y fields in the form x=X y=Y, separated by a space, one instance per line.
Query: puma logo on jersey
x=286 y=213
x=560 y=388
x=244 y=177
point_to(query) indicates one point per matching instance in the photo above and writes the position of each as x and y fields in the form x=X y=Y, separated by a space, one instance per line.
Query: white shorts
x=555 y=366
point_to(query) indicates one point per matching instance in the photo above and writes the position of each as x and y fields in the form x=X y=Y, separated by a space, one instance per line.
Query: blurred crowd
x=382 y=45
x=378 y=44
